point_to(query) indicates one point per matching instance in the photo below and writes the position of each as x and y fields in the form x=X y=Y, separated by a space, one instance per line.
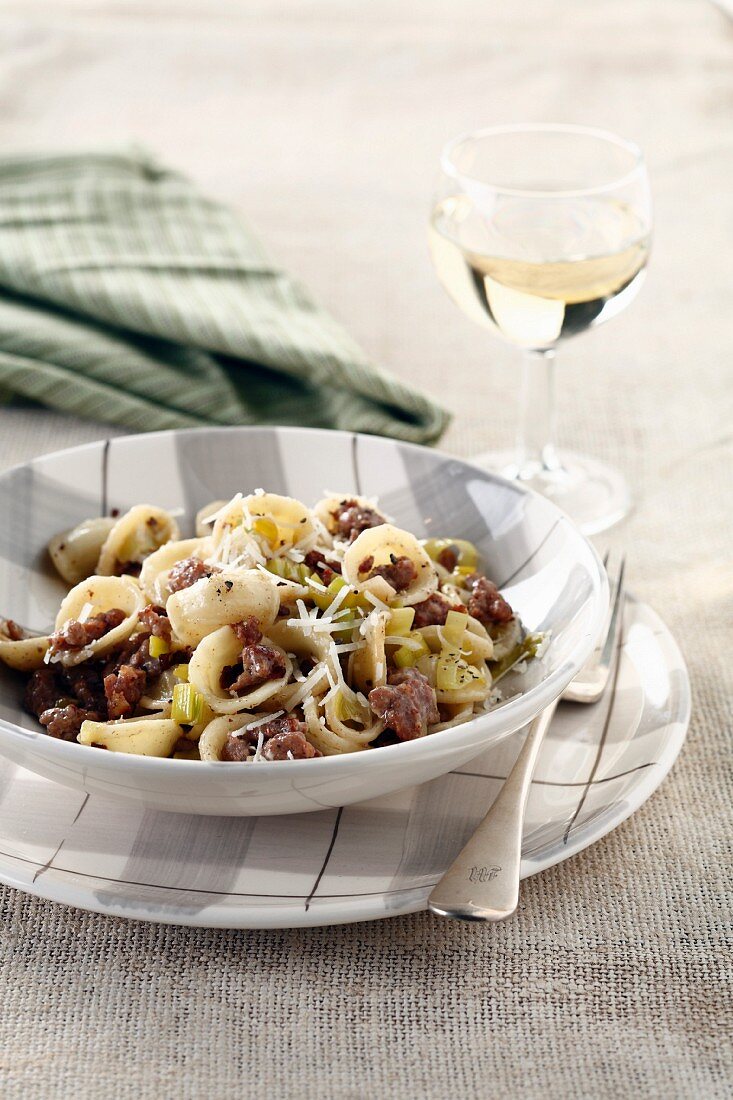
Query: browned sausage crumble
x=407 y=704
x=351 y=518
x=487 y=603
x=186 y=572
x=76 y=635
x=257 y=664
x=400 y=572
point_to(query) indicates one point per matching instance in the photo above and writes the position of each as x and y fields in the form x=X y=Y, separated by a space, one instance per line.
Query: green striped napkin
x=127 y=296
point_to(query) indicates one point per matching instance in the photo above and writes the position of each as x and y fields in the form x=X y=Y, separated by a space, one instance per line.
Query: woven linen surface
x=614 y=976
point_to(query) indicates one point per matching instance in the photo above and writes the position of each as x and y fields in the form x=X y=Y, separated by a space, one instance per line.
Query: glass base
x=594 y=495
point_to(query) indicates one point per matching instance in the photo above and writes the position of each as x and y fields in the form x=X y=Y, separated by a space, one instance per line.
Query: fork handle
x=482 y=883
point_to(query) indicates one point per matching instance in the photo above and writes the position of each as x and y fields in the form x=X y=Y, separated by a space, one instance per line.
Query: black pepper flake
x=229 y=585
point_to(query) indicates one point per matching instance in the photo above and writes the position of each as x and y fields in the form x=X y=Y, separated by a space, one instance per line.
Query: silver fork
x=482 y=883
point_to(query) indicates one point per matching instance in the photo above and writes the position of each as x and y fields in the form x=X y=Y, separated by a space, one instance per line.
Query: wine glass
x=539 y=232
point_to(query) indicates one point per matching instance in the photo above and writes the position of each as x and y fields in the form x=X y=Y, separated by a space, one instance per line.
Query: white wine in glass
x=539 y=233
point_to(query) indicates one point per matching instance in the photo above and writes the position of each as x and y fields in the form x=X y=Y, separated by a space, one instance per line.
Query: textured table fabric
x=322 y=120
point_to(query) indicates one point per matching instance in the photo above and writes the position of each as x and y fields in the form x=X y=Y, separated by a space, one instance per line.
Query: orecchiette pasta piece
x=219 y=651
x=204 y=520
x=381 y=546
x=92 y=596
x=368 y=667
x=138 y=533
x=139 y=736
x=214 y=737
x=156 y=567
x=316 y=646
x=324 y=510
x=278 y=522
x=219 y=600
x=75 y=553
x=455 y=716
x=23 y=654
x=349 y=726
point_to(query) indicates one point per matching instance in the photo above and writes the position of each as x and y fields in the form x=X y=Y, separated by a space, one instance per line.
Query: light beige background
x=322 y=121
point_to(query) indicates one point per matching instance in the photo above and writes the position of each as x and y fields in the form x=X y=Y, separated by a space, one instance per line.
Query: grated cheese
x=350 y=647
x=223 y=510
x=380 y=606
x=264 y=720
x=306 y=688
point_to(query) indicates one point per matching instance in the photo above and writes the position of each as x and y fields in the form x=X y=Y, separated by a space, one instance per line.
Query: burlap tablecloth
x=322 y=121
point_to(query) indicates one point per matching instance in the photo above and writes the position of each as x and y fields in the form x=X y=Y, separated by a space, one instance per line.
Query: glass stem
x=536 y=432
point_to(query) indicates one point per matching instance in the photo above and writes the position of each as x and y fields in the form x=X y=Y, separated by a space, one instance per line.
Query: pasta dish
x=279 y=632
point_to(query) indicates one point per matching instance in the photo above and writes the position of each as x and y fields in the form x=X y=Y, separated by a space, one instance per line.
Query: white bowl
x=548 y=570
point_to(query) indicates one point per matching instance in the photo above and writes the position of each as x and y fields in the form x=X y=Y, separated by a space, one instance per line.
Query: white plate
x=369 y=860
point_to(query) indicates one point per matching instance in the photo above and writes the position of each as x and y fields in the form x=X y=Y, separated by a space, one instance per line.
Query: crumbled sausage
x=12 y=631
x=86 y=686
x=236 y=749
x=433 y=611
x=400 y=572
x=448 y=558
x=154 y=619
x=76 y=635
x=186 y=572
x=65 y=722
x=351 y=518
x=124 y=690
x=318 y=563
x=280 y=736
x=257 y=665
x=248 y=632
x=289 y=746
x=366 y=564
x=407 y=704
x=42 y=691
x=486 y=603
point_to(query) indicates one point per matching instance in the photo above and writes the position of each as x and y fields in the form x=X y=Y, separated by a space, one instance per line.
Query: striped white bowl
x=548 y=570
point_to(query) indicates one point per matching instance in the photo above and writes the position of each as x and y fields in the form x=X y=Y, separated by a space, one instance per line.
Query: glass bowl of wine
x=538 y=233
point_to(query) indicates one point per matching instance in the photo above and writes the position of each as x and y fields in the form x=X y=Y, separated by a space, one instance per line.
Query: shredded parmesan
x=307 y=687
x=350 y=647
x=336 y=602
x=258 y=751
x=380 y=606
x=223 y=510
x=264 y=720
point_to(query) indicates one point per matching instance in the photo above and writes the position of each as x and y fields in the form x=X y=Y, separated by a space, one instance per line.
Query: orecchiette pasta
x=156 y=567
x=141 y=736
x=204 y=517
x=279 y=632
x=135 y=536
x=386 y=548
x=23 y=654
x=221 y=651
x=75 y=553
x=221 y=599
x=95 y=596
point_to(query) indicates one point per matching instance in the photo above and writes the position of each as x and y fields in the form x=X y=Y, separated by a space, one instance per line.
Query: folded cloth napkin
x=127 y=296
